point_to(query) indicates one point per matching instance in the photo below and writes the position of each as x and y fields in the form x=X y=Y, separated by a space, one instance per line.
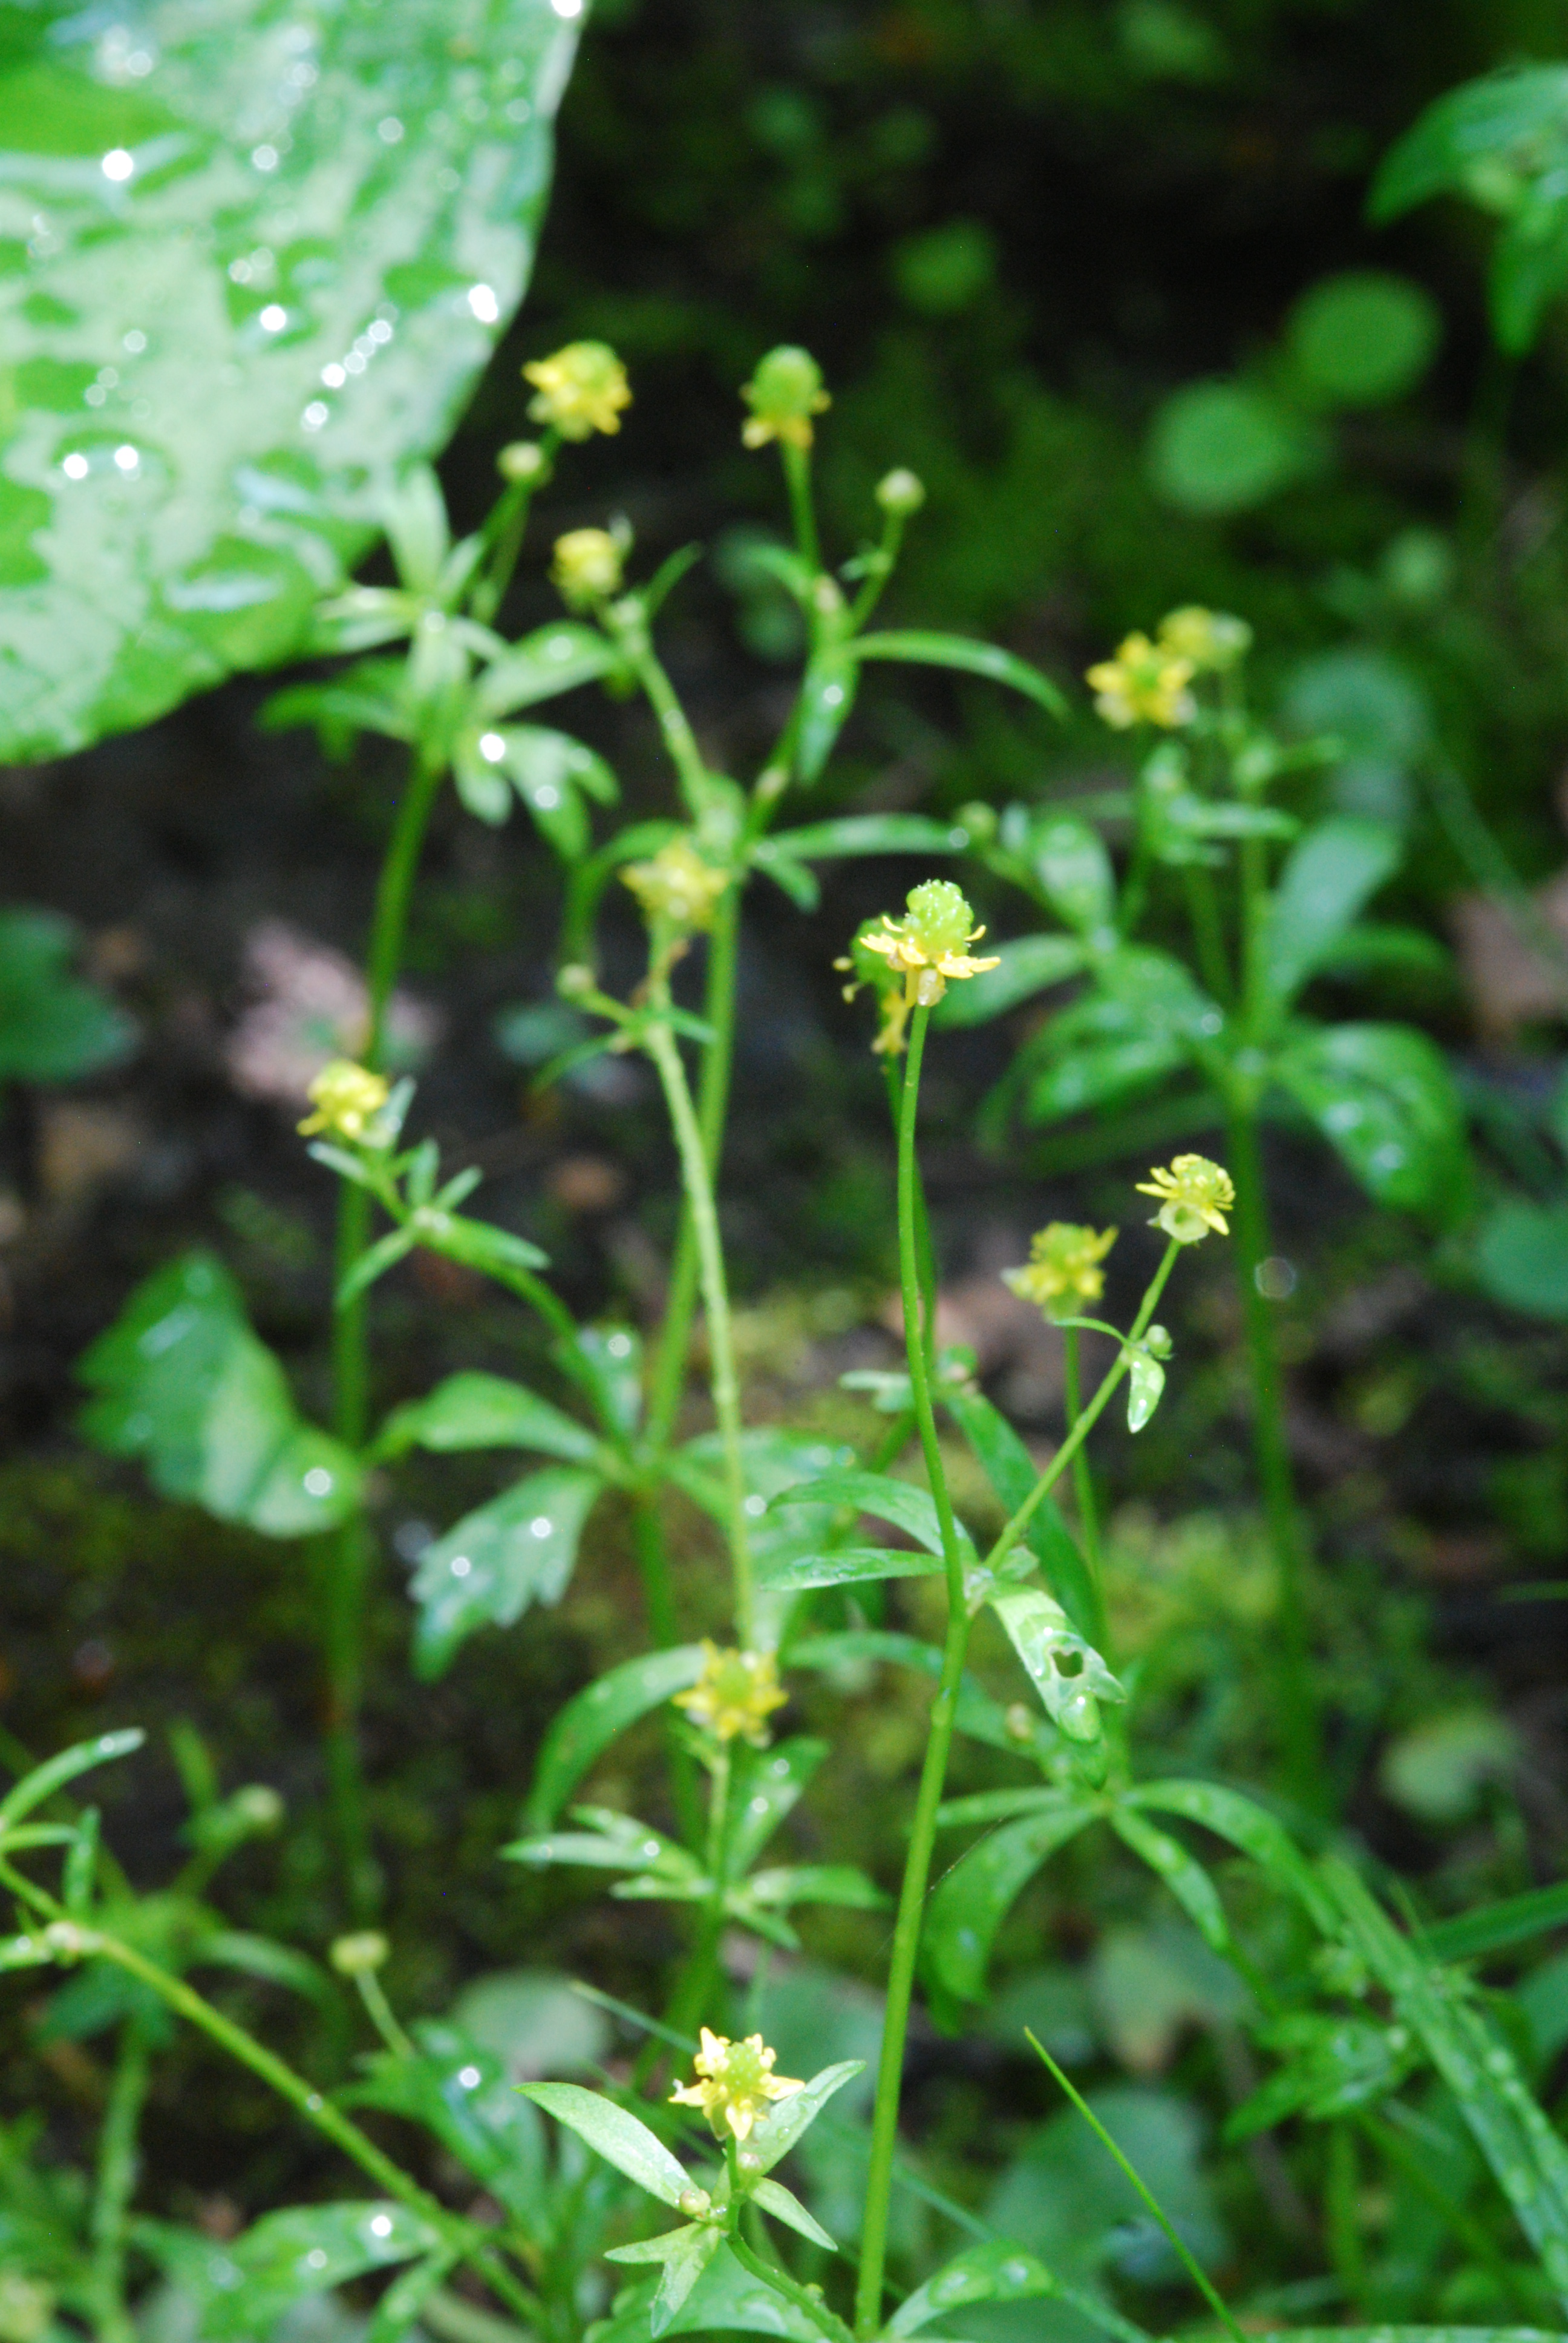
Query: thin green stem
x=881 y=566
x=116 y=2181
x=1183 y=2252
x=724 y=1381
x=346 y=1554
x=1301 y=1747
x=1083 y=1482
x=933 y=1770
x=1014 y=1529
x=803 y=509
x=712 y=1109
x=505 y=530
x=1208 y=933
x=810 y=2305
x=313 y=2105
x=925 y=1251
x=382 y=2017
x=679 y=740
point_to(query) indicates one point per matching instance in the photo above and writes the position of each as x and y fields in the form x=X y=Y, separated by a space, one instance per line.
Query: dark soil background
x=731 y=175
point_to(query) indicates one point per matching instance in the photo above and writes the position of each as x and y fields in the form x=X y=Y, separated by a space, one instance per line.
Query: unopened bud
x=258 y=1806
x=749 y=2160
x=574 y=980
x=520 y=459
x=1019 y=1721
x=1157 y=1342
x=695 y=2203
x=901 y=493
x=360 y=1954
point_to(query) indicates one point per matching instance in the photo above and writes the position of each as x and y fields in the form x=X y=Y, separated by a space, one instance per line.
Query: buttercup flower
x=900 y=492
x=586 y=567
x=1062 y=1269
x=1194 y=1197
x=735 y=2085
x=347 y=1098
x=928 y=944
x=1211 y=639
x=1145 y=683
x=581 y=389
x=735 y=1694
x=677 y=886
x=863 y=965
x=784 y=394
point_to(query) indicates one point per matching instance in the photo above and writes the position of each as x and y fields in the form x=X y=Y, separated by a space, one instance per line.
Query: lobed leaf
x=518 y=1549
x=181 y=1380
x=480 y=1410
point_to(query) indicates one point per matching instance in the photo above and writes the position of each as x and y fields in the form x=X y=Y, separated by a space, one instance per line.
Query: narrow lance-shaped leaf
x=581 y=1732
x=615 y=2136
x=1012 y=1473
x=924 y=650
x=975 y=1896
x=1328 y=877
x=997 y=2271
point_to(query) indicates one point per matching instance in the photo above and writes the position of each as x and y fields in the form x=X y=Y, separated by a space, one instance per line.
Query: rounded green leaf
x=262 y=258
x=1222 y=447
x=1362 y=339
x=1522 y=1258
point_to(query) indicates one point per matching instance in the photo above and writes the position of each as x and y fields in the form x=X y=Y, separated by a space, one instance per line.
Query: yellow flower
x=586 y=567
x=1145 y=683
x=676 y=887
x=1063 y=1267
x=735 y=2084
x=1194 y=1197
x=735 y=1694
x=581 y=389
x=1211 y=639
x=863 y=965
x=784 y=394
x=928 y=944
x=346 y=1099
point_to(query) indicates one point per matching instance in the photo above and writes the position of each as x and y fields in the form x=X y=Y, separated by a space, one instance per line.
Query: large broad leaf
x=1502 y=141
x=259 y=259
x=181 y=1380
x=1328 y=876
x=53 y=1027
x=518 y=1549
x=1384 y=1096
